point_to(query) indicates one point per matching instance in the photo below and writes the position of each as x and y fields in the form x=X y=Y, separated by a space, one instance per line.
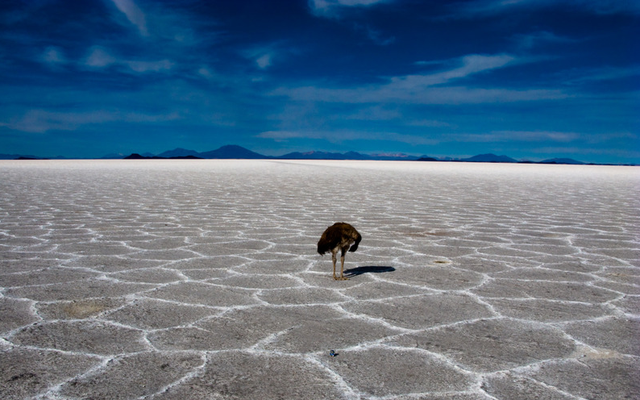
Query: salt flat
x=199 y=279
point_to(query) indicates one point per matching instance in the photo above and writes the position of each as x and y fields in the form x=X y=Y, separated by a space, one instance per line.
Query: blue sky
x=532 y=79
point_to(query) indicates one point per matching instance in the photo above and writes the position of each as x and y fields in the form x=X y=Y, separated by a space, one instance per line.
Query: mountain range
x=238 y=152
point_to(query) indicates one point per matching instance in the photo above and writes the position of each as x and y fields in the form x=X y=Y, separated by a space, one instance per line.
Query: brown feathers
x=339 y=237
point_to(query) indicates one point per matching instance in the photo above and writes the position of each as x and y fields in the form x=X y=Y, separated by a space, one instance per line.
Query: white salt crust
x=199 y=279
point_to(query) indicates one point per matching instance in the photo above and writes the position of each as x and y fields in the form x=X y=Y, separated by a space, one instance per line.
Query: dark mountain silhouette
x=179 y=152
x=224 y=152
x=16 y=156
x=492 y=158
x=239 y=152
x=136 y=156
x=185 y=158
x=231 y=151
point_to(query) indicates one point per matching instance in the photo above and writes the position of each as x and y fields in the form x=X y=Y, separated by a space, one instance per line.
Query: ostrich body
x=339 y=236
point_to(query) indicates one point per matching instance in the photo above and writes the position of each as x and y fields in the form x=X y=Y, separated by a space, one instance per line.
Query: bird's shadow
x=366 y=270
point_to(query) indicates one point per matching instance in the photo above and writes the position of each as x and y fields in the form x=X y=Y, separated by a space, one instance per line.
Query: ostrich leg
x=333 y=258
x=342 y=277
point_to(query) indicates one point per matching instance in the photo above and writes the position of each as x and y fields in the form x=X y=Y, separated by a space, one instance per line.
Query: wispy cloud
x=430 y=123
x=285 y=135
x=519 y=136
x=345 y=135
x=471 y=64
x=541 y=136
x=419 y=95
x=269 y=54
x=327 y=8
x=53 y=56
x=264 y=61
x=375 y=113
x=530 y=40
x=100 y=58
x=40 y=121
x=149 y=66
x=375 y=35
x=206 y=73
x=264 y=56
x=428 y=88
x=582 y=75
x=479 y=8
x=134 y=14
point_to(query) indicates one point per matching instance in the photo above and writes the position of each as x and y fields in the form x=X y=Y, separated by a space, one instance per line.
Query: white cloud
x=375 y=113
x=263 y=56
x=601 y=74
x=206 y=72
x=343 y=135
x=471 y=64
x=134 y=14
x=419 y=95
x=264 y=61
x=430 y=123
x=540 y=136
x=324 y=4
x=100 y=58
x=427 y=88
x=40 y=121
x=284 y=135
x=329 y=7
x=53 y=56
x=376 y=36
x=351 y=3
x=479 y=8
x=532 y=39
x=522 y=136
x=146 y=66
x=269 y=54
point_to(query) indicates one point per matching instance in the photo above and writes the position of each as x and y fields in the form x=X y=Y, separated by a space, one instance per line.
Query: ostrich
x=339 y=236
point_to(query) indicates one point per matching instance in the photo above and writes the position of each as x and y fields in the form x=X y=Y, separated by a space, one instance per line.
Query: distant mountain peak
x=232 y=151
x=490 y=158
x=178 y=152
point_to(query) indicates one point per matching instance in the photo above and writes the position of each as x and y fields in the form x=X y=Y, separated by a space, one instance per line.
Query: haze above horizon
x=532 y=79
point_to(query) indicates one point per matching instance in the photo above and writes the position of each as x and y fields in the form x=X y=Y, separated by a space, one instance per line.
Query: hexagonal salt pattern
x=200 y=279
